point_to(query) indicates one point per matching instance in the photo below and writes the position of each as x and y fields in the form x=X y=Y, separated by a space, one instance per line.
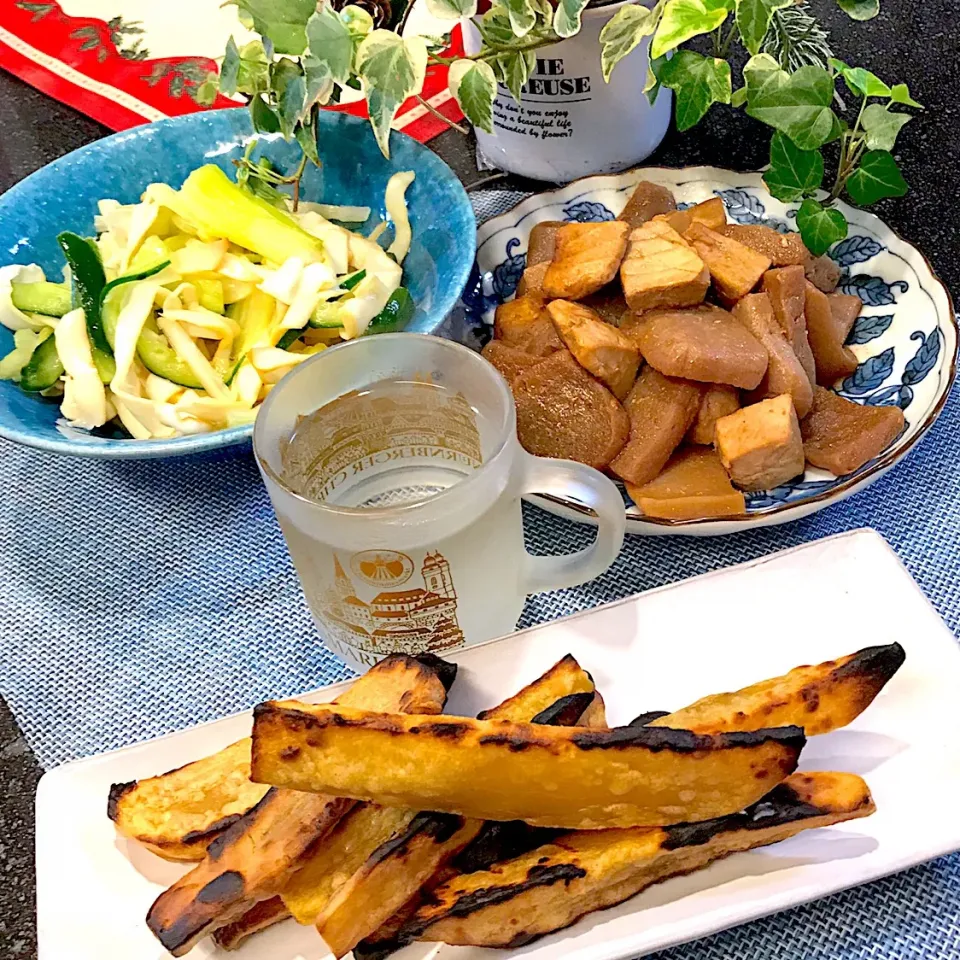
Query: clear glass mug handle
x=570 y=480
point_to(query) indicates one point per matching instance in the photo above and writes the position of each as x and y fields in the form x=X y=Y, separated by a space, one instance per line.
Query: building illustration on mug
x=414 y=620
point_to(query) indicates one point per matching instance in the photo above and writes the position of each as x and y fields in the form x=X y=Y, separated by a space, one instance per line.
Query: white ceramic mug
x=401 y=505
x=570 y=122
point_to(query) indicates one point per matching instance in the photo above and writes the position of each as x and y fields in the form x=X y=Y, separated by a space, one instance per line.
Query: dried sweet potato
x=735 y=269
x=781 y=249
x=718 y=401
x=705 y=344
x=587 y=258
x=499 y=770
x=820 y=698
x=647 y=201
x=661 y=269
x=711 y=213
x=692 y=486
x=784 y=373
x=565 y=413
x=510 y=361
x=787 y=290
x=513 y=319
x=551 y=887
x=661 y=411
x=598 y=347
x=827 y=335
x=841 y=436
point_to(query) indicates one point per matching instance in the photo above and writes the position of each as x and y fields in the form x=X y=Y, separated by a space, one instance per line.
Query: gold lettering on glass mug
x=393 y=466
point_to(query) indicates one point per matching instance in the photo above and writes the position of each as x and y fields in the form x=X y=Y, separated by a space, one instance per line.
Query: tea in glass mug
x=394 y=468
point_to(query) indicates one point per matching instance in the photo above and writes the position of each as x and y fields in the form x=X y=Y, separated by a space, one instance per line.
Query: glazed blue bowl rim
x=110 y=449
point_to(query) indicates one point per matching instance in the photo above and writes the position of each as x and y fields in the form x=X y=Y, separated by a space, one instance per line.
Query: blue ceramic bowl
x=64 y=195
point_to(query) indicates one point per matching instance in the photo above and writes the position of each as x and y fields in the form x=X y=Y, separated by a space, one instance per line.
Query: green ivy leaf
x=522 y=16
x=392 y=68
x=282 y=22
x=698 y=81
x=230 y=69
x=566 y=20
x=900 y=93
x=684 y=19
x=622 y=33
x=860 y=81
x=306 y=135
x=451 y=9
x=820 y=227
x=513 y=70
x=495 y=28
x=330 y=43
x=357 y=21
x=318 y=80
x=753 y=20
x=877 y=177
x=262 y=115
x=860 y=9
x=798 y=104
x=757 y=70
x=793 y=172
x=474 y=85
x=882 y=126
x=286 y=77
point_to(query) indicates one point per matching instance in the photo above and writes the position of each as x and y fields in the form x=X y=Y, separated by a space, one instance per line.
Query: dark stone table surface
x=911 y=42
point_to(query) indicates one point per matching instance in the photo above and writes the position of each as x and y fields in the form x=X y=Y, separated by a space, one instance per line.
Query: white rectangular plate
x=656 y=651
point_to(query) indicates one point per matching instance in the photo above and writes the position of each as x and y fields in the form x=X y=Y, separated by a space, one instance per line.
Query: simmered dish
x=690 y=357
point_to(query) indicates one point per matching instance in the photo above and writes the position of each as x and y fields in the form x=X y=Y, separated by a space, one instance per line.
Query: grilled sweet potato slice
x=259 y=917
x=719 y=401
x=820 y=698
x=563 y=412
x=734 y=268
x=551 y=887
x=177 y=814
x=500 y=770
x=661 y=411
x=598 y=347
x=542 y=244
x=787 y=290
x=692 y=486
x=256 y=856
x=827 y=332
x=661 y=269
x=513 y=319
x=781 y=249
x=510 y=361
x=587 y=258
x=841 y=436
x=705 y=344
x=647 y=201
x=711 y=213
x=785 y=373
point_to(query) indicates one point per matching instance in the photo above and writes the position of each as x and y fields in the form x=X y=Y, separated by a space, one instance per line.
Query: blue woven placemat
x=140 y=598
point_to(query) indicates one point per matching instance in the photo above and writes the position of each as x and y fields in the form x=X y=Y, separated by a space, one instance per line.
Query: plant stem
x=295 y=180
x=440 y=116
x=852 y=146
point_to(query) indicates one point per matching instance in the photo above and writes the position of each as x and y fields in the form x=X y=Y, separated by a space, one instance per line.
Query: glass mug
x=394 y=468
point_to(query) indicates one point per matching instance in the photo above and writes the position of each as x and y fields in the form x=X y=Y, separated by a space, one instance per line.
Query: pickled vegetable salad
x=189 y=306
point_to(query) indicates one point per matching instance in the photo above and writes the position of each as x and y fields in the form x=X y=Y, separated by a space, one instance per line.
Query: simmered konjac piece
x=827 y=333
x=542 y=244
x=734 y=268
x=608 y=303
x=787 y=289
x=693 y=485
x=710 y=213
x=647 y=201
x=823 y=273
x=760 y=445
x=784 y=372
x=718 y=401
x=841 y=436
x=598 y=347
x=662 y=270
x=541 y=339
x=781 y=249
x=661 y=411
x=587 y=258
x=510 y=361
x=514 y=319
x=563 y=412
x=531 y=283
x=705 y=344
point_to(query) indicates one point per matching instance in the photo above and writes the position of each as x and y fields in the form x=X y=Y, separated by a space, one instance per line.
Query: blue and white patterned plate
x=905 y=339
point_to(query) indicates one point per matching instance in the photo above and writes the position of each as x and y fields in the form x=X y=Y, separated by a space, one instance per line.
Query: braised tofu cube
x=719 y=401
x=822 y=272
x=841 y=436
x=711 y=213
x=587 y=258
x=541 y=338
x=787 y=289
x=598 y=347
x=647 y=201
x=827 y=334
x=542 y=244
x=705 y=344
x=513 y=319
x=661 y=411
x=734 y=268
x=531 y=282
x=563 y=412
x=510 y=361
x=760 y=446
x=692 y=486
x=784 y=371
x=781 y=249
x=662 y=270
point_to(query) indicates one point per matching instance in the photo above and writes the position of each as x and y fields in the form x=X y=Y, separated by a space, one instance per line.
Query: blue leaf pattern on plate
x=869 y=328
x=925 y=358
x=870 y=374
x=507 y=274
x=742 y=206
x=587 y=211
x=897 y=395
x=685 y=205
x=855 y=250
x=873 y=291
